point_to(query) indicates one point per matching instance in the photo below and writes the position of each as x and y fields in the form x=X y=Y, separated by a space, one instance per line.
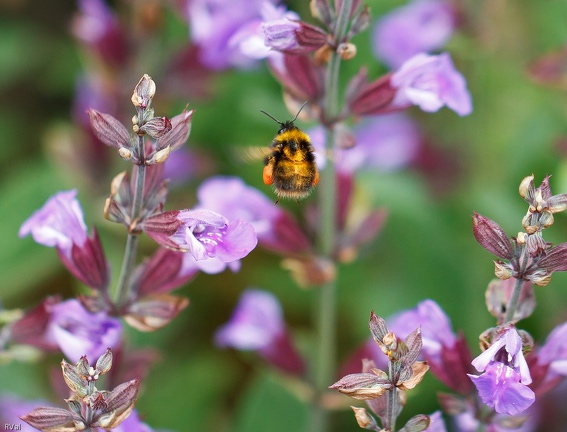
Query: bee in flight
x=290 y=166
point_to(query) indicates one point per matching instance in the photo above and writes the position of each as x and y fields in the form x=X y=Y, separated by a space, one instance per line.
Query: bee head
x=288 y=125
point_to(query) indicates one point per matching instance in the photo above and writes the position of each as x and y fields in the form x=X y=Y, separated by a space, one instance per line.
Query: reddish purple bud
x=363 y=386
x=555 y=259
x=156 y=127
x=309 y=37
x=321 y=9
x=298 y=75
x=117 y=405
x=109 y=130
x=144 y=92
x=88 y=263
x=166 y=223
x=159 y=273
x=370 y=98
x=492 y=237
x=30 y=329
x=179 y=133
x=52 y=419
x=154 y=311
x=378 y=328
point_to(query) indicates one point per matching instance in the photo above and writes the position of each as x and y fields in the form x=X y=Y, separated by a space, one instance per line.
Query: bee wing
x=252 y=154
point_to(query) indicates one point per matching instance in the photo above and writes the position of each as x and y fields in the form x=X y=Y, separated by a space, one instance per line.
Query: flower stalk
x=326 y=305
x=131 y=249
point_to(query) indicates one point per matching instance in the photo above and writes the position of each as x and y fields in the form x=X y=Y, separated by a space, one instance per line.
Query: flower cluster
x=190 y=240
x=385 y=391
x=428 y=81
x=528 y=256
x=88 y=406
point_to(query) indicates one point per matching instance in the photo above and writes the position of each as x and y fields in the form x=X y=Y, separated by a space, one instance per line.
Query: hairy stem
x=392 y=394
x=325 y=312
x=131 y=250
x=513 y=303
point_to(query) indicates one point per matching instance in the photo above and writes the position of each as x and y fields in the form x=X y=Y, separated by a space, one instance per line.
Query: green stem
x=511 y=309
x=325 y=312
x=131 y=250
x=513 y=303
x=391 y=408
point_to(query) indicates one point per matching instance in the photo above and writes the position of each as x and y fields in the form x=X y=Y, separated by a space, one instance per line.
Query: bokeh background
x=425 y=250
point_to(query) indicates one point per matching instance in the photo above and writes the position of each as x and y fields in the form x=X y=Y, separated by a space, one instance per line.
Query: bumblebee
x=290 y=167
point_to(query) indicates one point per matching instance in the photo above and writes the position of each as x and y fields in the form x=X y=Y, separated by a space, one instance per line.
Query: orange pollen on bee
x=316 y=179
x=268 y=174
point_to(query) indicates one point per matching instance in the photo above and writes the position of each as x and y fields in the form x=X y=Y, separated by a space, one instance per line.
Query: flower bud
x=144 y=92
x=109 y=130
x=347 y=51
x=156 y=127
x=125 y=153
x=525 y=185
x=364 y=420
x=162 y=155
x=154 y=311
x=503 y=270
x=73 y=379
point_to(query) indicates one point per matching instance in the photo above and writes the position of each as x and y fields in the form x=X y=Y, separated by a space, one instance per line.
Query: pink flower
x=420 y=26
x=78 y=332
x=504 y=383
x=58 y=223
x=257 y=324
x=430 y=82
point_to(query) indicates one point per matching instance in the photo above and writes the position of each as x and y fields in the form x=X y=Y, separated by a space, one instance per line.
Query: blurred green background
x=426 y=249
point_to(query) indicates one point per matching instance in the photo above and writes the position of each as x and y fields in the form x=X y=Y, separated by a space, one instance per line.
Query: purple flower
x=78 y=332
x=58 y=223
x=553 y=353
x=257 y=324
x=229 y=32
x=430 y=82
x=280 y=34
x=97 y=27
x=203 y=233
x=207 y=234
x=447 y=354
x=386 y=142
x=275 y=229
x=500 y=388
x=437 y=424
x=419 y=27
x=504 y=384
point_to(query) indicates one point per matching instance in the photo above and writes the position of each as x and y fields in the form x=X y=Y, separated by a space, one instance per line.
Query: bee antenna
x=272 y=117
x=299 y=112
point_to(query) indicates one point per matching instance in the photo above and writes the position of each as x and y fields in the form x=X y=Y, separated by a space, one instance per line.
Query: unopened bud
x=525 y=185
x=346 y=50
x=502 y=270
x=540 y=277
x=162 y=155
x=522 y=238
x=546 y=219
x=364 y=420
x=144 y=92
x=125 y=153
